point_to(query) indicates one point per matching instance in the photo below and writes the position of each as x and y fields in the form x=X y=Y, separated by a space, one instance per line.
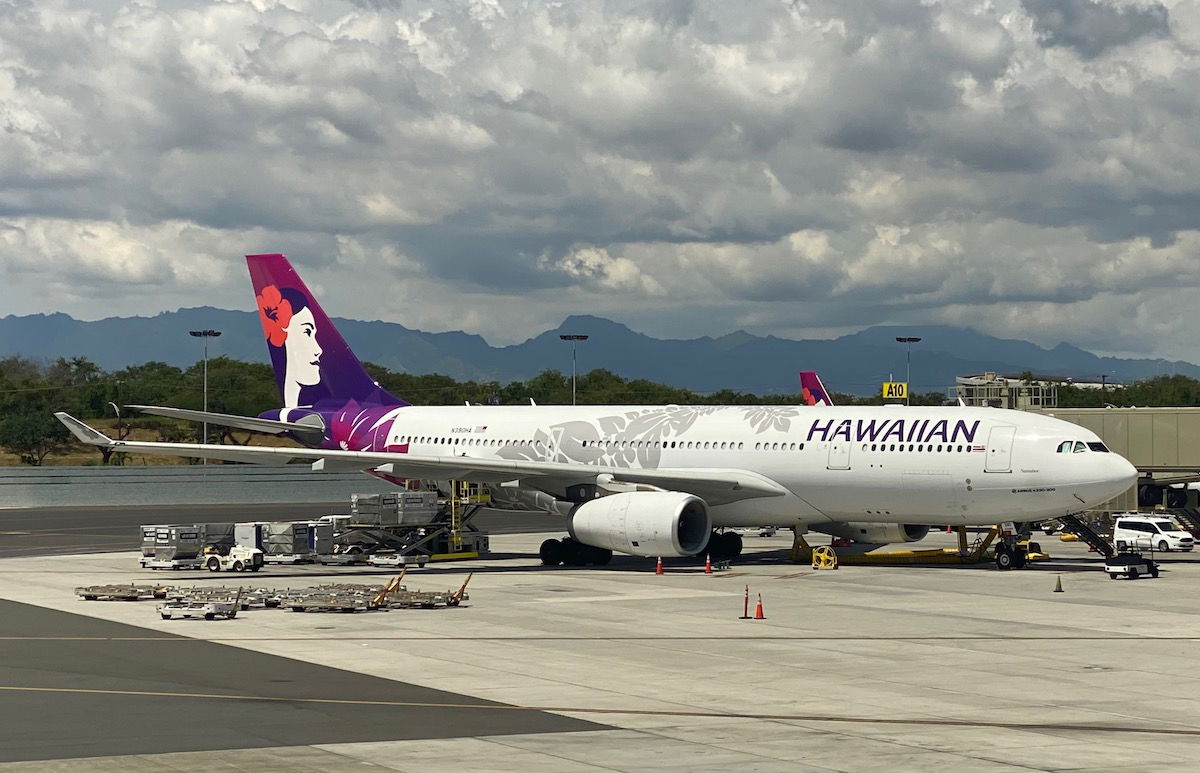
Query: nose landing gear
x=1010 y=556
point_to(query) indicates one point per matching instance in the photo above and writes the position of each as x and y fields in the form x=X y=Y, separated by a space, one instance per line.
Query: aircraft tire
x=574 y=553
x=1004 y=558
x=599 y=556
x=1019 y=559
x=551 y=552
x=733 y=544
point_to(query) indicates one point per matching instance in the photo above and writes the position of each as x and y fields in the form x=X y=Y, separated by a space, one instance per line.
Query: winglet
x=83 y=432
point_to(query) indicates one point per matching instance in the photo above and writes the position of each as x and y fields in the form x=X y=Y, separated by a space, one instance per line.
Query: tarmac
x=860 y=669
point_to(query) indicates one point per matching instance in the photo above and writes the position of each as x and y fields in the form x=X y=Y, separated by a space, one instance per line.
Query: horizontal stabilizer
x=83 y=432
x=309 y=428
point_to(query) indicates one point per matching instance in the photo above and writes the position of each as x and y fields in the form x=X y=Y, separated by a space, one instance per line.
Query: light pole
x=205 y=334
x=908 y=341
x=574 y=339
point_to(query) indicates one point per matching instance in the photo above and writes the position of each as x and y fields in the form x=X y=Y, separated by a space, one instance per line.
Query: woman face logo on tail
x=303 y=351
x=291 y=330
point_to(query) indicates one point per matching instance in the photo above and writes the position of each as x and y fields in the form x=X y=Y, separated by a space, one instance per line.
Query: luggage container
x=397 y=508
x=290 y=542
x=219 y=537
x=250 y=535
x=149 y=537
x=178 y=543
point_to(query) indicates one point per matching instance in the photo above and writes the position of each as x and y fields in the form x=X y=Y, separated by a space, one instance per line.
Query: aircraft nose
x=1123 y=474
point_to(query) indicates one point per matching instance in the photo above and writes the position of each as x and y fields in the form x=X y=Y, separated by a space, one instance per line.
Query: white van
x=1150 y=532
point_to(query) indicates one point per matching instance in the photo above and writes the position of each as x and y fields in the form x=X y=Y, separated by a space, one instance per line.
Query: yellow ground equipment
x=824 y=557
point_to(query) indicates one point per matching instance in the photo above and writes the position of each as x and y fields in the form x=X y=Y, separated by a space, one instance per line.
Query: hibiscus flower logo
x=276 y=314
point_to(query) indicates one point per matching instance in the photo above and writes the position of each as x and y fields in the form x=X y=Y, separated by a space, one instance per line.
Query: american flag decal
x=481 y=429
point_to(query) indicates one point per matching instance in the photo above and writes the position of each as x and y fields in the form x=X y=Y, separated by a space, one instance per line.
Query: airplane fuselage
x=891 y=464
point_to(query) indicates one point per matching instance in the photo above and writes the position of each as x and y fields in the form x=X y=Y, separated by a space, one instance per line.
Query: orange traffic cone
x=758 y=610
x=658 y=568
x=707 y=563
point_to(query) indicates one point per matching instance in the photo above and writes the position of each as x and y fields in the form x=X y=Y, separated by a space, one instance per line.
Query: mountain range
x=855 y=363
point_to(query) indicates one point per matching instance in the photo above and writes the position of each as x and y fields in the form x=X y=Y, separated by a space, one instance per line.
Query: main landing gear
x=722 y=546
x=571 y=553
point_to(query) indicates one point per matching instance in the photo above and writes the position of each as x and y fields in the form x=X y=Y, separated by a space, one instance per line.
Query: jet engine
x=643 y=523
x=874 y=533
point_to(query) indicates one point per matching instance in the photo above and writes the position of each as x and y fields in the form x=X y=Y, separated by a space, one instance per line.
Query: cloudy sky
x=1030 y=168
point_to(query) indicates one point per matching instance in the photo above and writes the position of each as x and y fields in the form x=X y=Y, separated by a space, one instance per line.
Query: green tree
x=32 y=436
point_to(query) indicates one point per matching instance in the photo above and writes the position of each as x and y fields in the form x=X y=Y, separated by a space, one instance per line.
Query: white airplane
x=659 y=480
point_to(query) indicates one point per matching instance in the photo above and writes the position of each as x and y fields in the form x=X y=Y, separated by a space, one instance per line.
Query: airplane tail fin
x=812 y=390
x=313 y=365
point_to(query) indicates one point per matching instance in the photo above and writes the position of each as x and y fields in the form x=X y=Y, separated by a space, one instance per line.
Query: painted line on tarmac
x=911 y=722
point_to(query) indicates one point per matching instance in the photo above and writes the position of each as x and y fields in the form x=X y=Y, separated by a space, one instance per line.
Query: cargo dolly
x=129 y=592
x=199 y=608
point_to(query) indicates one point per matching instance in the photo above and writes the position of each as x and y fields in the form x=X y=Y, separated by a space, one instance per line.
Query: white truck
x=239 y=559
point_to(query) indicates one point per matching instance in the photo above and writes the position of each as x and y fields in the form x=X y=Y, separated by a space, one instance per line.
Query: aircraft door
x=999 y=449
x=839 y=454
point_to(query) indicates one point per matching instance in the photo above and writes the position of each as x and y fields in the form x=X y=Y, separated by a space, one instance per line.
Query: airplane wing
x=308 y=426
x=715 y=486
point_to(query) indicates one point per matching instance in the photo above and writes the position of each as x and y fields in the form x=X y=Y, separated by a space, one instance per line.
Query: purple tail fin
x=812 y=390
x=313 y=365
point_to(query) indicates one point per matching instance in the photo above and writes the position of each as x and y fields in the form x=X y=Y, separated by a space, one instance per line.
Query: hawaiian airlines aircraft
x=660 y=480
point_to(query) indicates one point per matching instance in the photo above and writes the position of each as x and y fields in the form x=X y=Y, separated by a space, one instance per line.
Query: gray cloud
x=1091 y=28
x=495 y=167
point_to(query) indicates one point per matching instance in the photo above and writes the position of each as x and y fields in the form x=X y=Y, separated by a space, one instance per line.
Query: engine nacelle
x=643 y=523
x=874 y=533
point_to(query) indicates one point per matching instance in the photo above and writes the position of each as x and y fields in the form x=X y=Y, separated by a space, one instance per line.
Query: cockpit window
x=1080 y=447
x=1098 y=447
x=1064 y=447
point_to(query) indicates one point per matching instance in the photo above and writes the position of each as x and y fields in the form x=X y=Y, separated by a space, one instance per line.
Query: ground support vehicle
x=1150 y=532
x=238 y=559
x=295 y=558
x=410 y=527
x=397 y=560
x=209 y=610
x=349 y=558
x=1131 y=565
x=129 y=592
x=151 y=562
